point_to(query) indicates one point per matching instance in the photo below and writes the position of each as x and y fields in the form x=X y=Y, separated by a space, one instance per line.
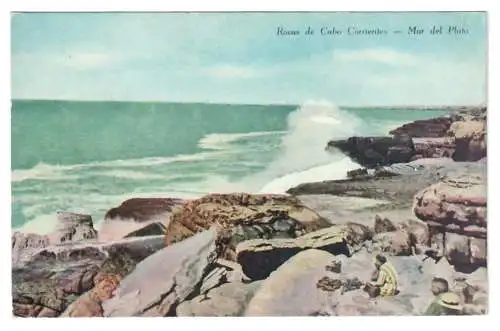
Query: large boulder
x=455 y=211
x=242 y=216
x=292 y=289
x=143 y=209
x=260 y=257
x=371 y=152
x=138 y=217
x=72 y=227
x=230 y=299
x=165 y=279
x=470 y=140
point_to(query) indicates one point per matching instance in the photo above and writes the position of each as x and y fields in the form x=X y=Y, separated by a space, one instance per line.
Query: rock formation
x=455 y=211
x=138 y=217
x=242 y=216
x=371 y=152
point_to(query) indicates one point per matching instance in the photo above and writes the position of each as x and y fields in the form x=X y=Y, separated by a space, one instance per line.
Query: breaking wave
x=303 y=157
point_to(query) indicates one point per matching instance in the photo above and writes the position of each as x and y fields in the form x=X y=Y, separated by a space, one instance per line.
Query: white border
x=386 y=323
x=254 y=5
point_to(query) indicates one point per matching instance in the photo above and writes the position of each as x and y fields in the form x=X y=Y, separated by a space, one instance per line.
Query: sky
x=240 y=58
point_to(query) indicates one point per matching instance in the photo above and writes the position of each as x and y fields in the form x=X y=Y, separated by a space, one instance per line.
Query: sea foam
x=222 y=141
x=331 y=171
x=299 y=156
x=59 y=172
x=303 y=157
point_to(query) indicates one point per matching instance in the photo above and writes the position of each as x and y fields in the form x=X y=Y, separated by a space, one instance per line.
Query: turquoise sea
x=90 y=156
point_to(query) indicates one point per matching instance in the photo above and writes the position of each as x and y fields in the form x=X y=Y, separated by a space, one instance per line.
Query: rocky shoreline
x=420 y=199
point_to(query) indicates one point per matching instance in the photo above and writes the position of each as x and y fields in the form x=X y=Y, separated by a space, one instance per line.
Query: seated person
x=446 y=302
x=384 y=279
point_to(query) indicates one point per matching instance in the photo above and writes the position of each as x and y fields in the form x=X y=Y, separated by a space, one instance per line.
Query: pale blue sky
x=238 y=58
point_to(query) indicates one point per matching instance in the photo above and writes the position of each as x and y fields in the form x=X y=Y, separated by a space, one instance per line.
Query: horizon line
x=484 y=104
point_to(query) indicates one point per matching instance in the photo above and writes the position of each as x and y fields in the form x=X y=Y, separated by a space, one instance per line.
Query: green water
x=90 y=156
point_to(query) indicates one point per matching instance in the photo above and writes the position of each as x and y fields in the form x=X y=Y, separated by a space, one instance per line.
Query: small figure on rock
x=384 y=280
x=446 y=302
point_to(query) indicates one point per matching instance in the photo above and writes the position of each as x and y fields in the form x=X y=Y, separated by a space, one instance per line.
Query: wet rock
x=143 y=209
x=400 y=154
x=137 y=217
x=371 y=152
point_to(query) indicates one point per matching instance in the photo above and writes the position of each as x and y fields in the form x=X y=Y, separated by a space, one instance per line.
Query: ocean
x=90 y=156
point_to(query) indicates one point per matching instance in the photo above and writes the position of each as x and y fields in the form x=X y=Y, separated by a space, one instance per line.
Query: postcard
x=249 y=164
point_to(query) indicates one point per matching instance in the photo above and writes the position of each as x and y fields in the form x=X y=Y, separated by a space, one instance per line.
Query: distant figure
x=384 y=279
x=446 y=302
